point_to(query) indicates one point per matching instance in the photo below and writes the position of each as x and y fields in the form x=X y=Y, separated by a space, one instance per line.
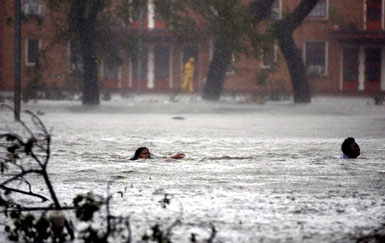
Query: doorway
x=350 y=68
x=373 y=69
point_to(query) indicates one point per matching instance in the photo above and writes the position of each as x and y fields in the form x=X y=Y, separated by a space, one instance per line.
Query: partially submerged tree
x=283 y=30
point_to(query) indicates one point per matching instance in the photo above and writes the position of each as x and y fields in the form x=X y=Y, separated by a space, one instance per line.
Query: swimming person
x=350 y=148
x=144 y=153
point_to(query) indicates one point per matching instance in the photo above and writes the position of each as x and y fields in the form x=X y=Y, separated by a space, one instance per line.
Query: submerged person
x=350 y=148
x=144 y=153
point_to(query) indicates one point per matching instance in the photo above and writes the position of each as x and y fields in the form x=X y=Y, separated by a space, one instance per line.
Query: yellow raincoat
x=188 y=75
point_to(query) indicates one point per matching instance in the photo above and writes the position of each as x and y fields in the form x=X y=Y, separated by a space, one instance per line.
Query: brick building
x=342 y=42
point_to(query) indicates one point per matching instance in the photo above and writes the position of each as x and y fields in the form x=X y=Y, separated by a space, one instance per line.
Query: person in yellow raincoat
x=188 y=75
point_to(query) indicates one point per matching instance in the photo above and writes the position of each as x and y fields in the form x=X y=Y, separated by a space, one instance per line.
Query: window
x=162 y=54
x=373 y=64
x=269 y=55
x=276 y=10
x=315 y=57
x=111 y=71
x=32 y=51
x=143 y=67
x=350 y=64
x=320 y=9
x=76 y=62
x=230 y=69
x=374 y=10
x=33 y=7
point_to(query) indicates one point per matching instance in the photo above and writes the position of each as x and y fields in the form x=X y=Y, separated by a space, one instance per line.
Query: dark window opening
x=374 y=14
x=76 y=61
x=162 y=60
x=319 y=10
x=276 y=10
x=143 y=65
x=316 y=57
x=33 y=51
x=373 y=64
x=111 y=71
x=268 y=55
x=350 y=64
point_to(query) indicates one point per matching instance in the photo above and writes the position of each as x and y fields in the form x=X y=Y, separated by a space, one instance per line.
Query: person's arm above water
x=177 y=156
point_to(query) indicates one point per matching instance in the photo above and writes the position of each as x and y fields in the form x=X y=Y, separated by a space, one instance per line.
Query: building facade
x=342 y=42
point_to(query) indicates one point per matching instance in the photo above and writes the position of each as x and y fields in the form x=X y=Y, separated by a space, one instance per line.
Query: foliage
x=86 y=206
x=99 y=31
x=27 y=228
x=227 y=20
x=35 y=82
x=230 y=23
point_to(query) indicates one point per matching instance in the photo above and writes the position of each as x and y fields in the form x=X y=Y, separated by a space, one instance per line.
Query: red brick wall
x=247 y=67
x=55 y=58
x=312 y=29
x=7 y=46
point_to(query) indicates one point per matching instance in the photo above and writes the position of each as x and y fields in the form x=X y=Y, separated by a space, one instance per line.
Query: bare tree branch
x=24 y=192
x=213 y=233
x=20 y=175
x=31 y=209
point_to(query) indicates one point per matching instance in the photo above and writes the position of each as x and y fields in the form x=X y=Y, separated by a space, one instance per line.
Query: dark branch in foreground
x=31 y=209
x=9 y=189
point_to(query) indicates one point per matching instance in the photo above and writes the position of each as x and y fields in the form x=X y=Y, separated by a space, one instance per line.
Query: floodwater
x=258 y=173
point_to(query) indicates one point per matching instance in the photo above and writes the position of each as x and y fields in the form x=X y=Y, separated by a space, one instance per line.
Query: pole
x=17 y=86
x=140 y=47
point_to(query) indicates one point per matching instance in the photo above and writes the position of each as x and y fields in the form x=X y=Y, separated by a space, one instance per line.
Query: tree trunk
x=296 y=66
x=82 y=20
x=217 y=71
x=223 y=51
x=284 y=30
x=90 y=79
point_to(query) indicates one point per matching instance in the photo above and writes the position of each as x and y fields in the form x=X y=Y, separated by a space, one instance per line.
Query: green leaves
x=86 y=206
x=27 y=228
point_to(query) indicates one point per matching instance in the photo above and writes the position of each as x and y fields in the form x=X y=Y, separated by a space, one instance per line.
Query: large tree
x=82 y=20
x=227 y=21
x=95 y=29
x=227 y=39
x=283 y=30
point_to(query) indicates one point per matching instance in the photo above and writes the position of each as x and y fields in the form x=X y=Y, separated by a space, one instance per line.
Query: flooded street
x=258 y=173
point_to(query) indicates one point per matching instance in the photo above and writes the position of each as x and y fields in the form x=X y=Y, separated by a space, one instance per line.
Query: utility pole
x=17 y=86
x=140 y=50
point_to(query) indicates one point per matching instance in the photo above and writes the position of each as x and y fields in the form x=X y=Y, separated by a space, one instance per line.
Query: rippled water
x=258 y=173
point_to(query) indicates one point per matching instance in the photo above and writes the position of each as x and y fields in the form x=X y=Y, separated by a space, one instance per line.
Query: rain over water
x=258 y=173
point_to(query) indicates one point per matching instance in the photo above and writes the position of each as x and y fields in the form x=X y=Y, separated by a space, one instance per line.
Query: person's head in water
x=142 y=153
x=350 y=148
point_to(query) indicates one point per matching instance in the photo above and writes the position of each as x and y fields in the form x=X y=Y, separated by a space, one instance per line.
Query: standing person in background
x=188 y=75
